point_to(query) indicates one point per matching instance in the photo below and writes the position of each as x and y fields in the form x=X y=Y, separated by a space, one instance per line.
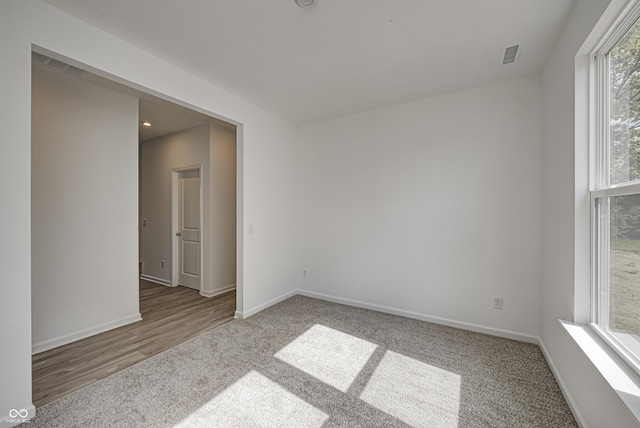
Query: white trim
x=563 y=386
x=218 y=291
x=622 y=17
x=156 y=280
x=255 y=310
x=623 y=22
x=7 y=421
x=626 y=349
x=617 y=374
x=63 y=340
x=617 y=190
x=240 y=211
x=507 y=334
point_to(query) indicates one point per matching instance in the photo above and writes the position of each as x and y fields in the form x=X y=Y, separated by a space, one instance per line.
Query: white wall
x=158 y=157
x=84 y=208
x=565 y=220
x=15 y=194
x=431 y=207
x=265 y=162
x=270 y=208
x=222 y=220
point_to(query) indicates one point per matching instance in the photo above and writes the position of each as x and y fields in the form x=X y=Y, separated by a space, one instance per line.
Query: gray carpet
x=310 y=363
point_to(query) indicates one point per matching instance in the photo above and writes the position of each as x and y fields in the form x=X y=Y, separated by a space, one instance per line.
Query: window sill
x=619 y=376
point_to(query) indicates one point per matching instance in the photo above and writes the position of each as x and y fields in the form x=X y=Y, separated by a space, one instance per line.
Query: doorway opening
x=87 y=216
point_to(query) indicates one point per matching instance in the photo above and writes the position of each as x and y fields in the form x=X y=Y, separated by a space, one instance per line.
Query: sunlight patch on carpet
x=329 y=355
x=255 y=401
x=418 y=394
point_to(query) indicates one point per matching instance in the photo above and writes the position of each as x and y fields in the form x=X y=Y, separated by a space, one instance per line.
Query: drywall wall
x=222 y=220
x=430 y=207
x=15 y=194
x=264 y=176
x=158 y=158
x=84 y=208
x=565 y=230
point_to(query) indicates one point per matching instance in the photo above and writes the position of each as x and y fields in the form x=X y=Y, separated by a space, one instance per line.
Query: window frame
x=601 y=191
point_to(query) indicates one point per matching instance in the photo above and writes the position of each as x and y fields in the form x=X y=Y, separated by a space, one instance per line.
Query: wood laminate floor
x=169 y=316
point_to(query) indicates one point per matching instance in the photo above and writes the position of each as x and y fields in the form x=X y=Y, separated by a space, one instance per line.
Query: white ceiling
x=341 y=56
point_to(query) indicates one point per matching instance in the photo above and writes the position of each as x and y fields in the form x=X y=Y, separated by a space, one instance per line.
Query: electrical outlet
x=497 y=303
x=162 y=264
x=144 y=222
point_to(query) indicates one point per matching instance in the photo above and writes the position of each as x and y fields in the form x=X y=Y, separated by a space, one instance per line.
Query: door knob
x=178 y=234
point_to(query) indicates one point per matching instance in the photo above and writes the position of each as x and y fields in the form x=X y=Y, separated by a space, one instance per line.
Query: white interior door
x=189 y=229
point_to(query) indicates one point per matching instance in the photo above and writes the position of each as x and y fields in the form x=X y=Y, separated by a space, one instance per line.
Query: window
x=615 y=194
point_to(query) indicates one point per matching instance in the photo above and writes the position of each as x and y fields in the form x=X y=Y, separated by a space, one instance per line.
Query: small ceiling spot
x=305 y=3
x=144 y=123
x=510 y=54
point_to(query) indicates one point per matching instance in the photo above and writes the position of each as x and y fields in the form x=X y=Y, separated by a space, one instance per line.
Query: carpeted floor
x=310 y=363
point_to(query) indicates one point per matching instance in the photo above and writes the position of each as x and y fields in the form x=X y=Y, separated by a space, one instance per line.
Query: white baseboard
x=563 y=387
x=17 y=416
x=218 y=291
x=507 y=334
x=522 y=337
x=255 y=310
x=63 y=340
x=160 y=281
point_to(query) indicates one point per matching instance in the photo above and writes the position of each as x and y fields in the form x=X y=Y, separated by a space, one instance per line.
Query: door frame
x=175 y=206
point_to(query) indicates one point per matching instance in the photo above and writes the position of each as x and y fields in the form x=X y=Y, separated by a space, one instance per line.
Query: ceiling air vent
x=510 y=54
